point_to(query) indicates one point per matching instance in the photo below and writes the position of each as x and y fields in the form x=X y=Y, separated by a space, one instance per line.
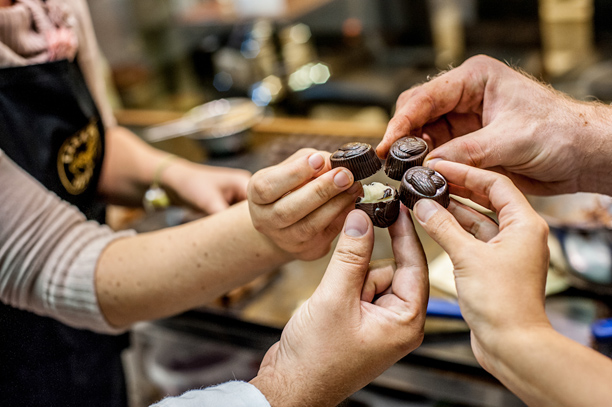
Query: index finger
x=270 y=184
x=459 y=89
x=503 y=196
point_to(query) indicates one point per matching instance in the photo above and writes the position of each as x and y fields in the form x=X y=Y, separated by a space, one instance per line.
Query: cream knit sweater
x=48 y=250
x=23 y=41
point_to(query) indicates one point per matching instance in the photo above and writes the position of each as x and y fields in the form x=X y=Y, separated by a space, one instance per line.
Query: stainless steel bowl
x=582 y=225
x=221 y=127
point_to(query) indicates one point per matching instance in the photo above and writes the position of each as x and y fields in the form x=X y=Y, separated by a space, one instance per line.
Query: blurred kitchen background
x=322 y=57
x=319 y=73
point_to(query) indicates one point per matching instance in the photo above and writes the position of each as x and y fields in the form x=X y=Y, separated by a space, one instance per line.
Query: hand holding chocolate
x=423 y=182
x=359 y=158
x=404 y=154
x=380 y=201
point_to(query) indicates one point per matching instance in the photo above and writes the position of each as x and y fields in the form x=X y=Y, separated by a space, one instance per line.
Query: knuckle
x=541 y=227
x=351 y=256
x=244 y=173
x=413 y=325
x=305 y=151
x=479 y=60
x=475 y=228
x=473 y=151
x=259 y=225
x=307 y=229
x=260 y=189
x=313 y=253
x=321 y=191
x=281 y=215
x=439 y=225
x=295 y=171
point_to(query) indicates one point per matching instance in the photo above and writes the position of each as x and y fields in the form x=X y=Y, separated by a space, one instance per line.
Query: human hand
x=301 y=203
x=204 y=188
x=500 y=272
x=337 y=341
x=487 y=115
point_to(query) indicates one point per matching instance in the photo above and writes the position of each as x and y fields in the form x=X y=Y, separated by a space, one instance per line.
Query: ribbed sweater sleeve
x=49 y=252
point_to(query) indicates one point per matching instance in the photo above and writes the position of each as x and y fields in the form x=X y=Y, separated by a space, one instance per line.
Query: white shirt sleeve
x=230 y=394
x=49 y=252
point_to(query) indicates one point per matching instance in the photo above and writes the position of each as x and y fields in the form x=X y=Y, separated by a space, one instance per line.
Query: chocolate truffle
x=423 y=182
x=405 y=153
x=359 y=158
x=381 y=203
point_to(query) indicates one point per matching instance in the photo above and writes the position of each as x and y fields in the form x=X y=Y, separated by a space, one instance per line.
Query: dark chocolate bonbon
x=404 y=154
x=384 y=211
x=359 y=158
x=422 y=182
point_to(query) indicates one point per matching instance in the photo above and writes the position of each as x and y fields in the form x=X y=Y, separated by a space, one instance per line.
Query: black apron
x=50 y=126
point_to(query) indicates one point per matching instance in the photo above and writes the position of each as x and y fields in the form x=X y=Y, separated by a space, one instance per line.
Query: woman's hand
x=302 y=203
x=487 y=115
x=500 y=273
x=131 y=166
x=204 y=188
x=339 y=341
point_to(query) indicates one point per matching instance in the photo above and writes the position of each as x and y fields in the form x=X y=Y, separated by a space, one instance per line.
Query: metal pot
x=582 y=225
x=221 y=126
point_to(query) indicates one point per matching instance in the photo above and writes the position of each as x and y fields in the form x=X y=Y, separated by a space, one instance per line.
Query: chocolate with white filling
x=422 y=182
x=404 y=154
x=381 y=203
x=359 y=158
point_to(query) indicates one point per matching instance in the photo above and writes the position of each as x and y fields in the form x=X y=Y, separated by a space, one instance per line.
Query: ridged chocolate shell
x=383 y=214
x=404 y=154
x=359 y=158
x=422 y=182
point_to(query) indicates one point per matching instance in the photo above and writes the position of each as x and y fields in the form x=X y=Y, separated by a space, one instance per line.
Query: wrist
x=156 y=196
x=169 y=171
x=496 y=348
x=595 y=139
x=273 y=388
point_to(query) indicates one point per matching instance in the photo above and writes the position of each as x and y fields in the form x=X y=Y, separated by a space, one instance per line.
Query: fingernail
x=316 y=161
x=432 y=163
x=342 y=179
x=356 y=225
x=424 y=209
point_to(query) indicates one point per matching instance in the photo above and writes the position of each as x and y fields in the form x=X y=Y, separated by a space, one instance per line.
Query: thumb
x=348 y=266
x=476 y=149
x=441 y=226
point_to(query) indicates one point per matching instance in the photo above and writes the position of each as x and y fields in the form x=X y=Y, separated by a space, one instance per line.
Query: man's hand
x=350 y=330
x=487 y=115
x=301 y=203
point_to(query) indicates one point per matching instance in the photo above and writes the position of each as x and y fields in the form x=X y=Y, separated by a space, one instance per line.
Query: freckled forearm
x=158 y=274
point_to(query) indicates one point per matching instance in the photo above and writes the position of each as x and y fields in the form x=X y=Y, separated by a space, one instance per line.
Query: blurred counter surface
x=215 y=13
x=443 y=368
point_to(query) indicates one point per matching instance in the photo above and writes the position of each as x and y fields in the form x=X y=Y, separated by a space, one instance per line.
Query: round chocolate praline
x=359 y=158
x=382 y=214
x=404 y=154
x=422 y=182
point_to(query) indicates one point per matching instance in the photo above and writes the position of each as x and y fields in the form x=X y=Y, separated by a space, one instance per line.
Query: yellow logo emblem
x=76 y=159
